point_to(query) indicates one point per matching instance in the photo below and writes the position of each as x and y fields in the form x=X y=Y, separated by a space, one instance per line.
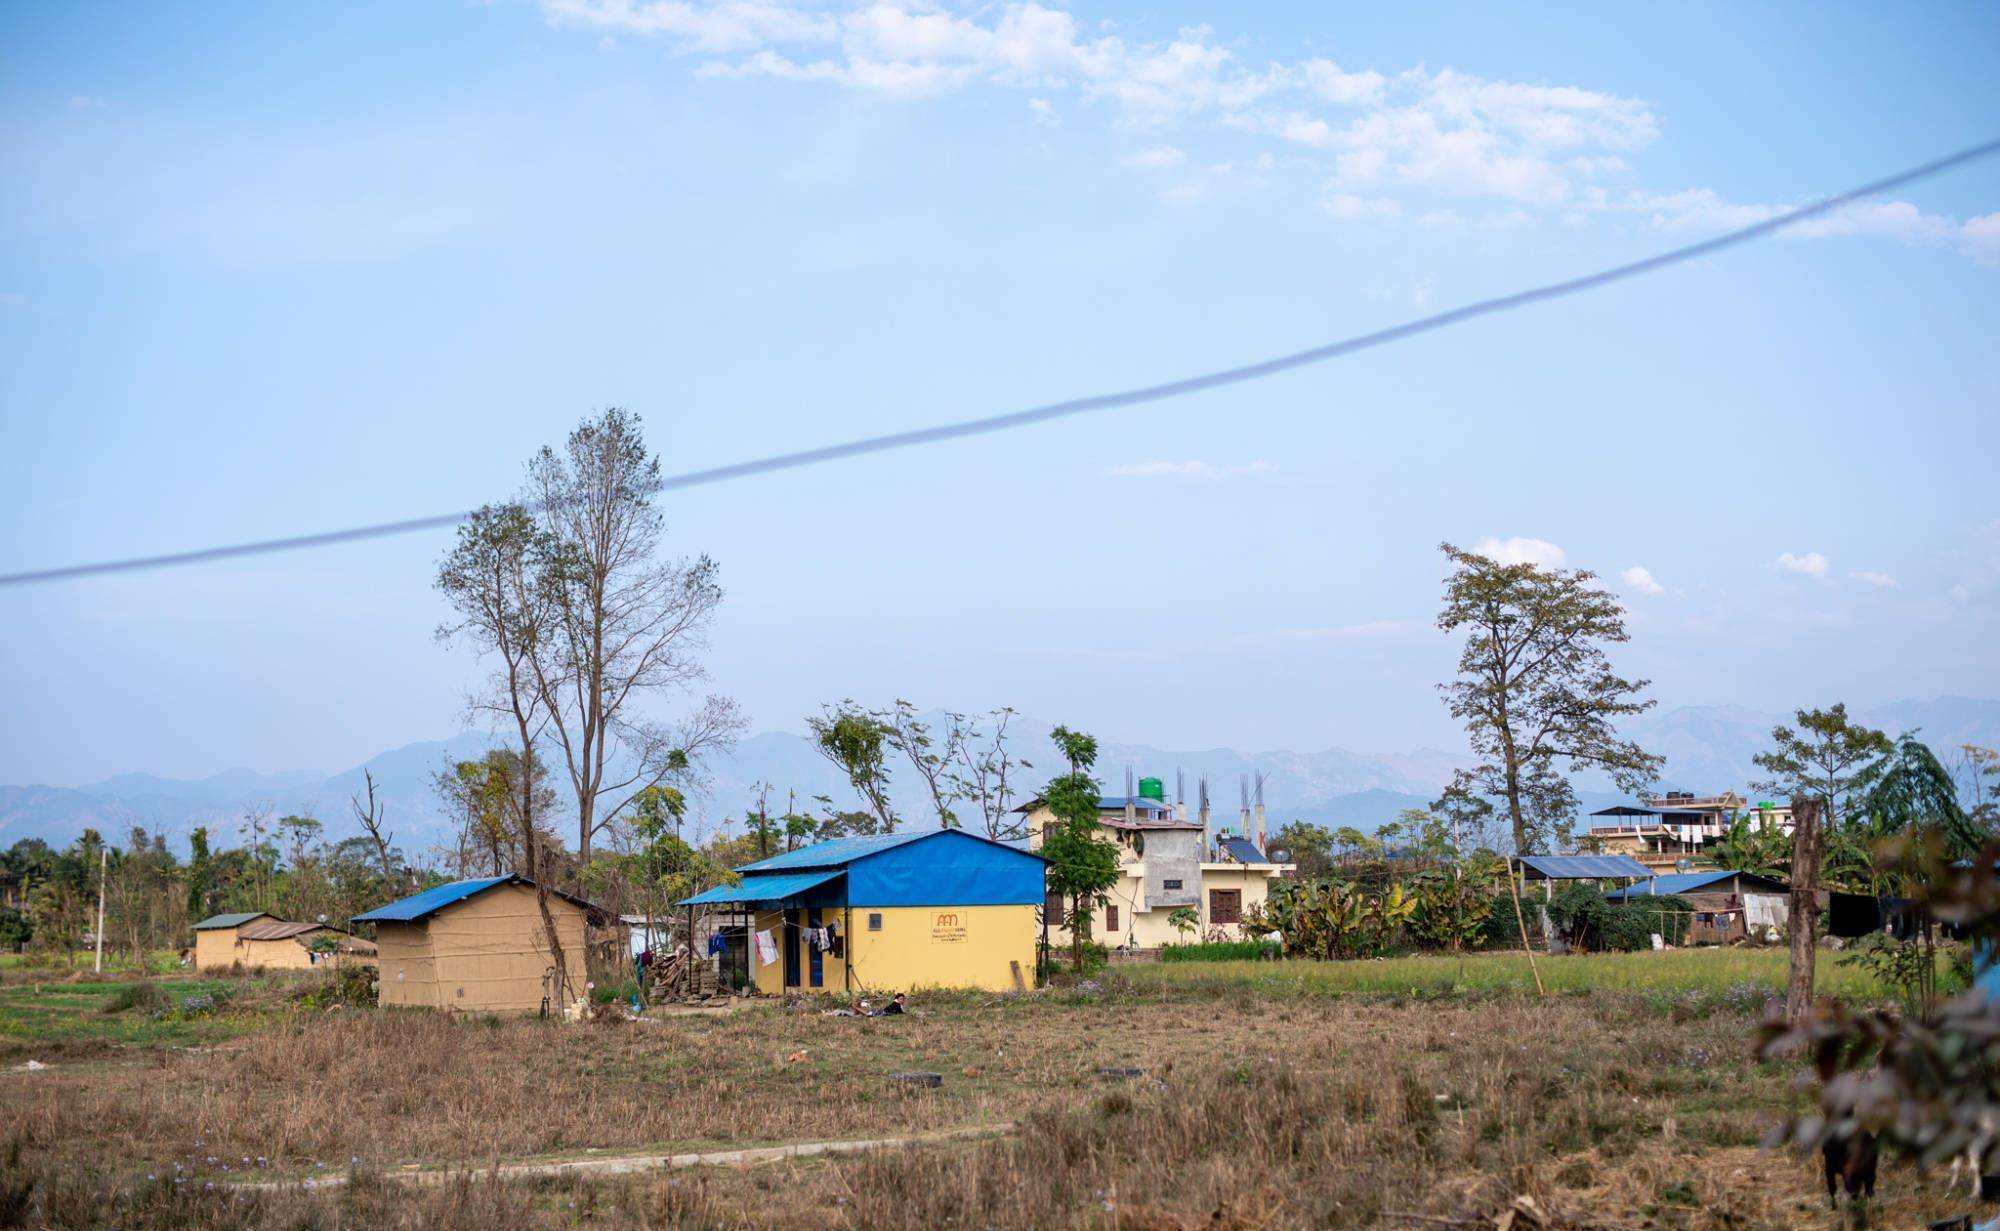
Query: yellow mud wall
x=408 y=975
x=215 y=949
x=490 y=951
x=916 y=947
x=286 y=954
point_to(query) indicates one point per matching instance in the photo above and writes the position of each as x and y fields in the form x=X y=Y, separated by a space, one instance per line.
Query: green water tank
x=1152 y=788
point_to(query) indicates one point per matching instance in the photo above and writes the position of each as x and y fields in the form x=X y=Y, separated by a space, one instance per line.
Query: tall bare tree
x=932 y=752
x=1536 y=691
x=984 y=766
x=503 y=610
x=371 y=818
x=624 y=625
x=854 y=739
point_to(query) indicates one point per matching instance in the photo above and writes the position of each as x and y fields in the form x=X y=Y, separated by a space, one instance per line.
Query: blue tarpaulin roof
x=430 y=901
x=1584 y=867
x=1686 y=882
x=768 y=889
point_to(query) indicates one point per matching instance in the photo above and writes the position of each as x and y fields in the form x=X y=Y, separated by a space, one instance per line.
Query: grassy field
x=1267 y=1099
x=1744 y=976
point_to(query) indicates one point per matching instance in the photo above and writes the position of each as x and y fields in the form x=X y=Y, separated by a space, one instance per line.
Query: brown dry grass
x=1251 y=1113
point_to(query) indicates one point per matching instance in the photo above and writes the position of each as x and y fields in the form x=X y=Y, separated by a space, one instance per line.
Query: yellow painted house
x=881 y=914
x=1167 y=863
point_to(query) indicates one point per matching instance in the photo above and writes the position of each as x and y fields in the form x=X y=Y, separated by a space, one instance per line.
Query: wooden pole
x=1806 y=843
x=1521 y=921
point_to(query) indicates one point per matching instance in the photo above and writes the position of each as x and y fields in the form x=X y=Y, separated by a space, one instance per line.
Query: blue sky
x=272 y=269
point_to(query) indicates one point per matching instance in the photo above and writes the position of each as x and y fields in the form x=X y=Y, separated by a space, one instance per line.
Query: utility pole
x=1807 y=839
x=103 y=866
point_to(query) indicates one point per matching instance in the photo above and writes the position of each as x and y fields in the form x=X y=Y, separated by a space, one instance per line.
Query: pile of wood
x=678 y=977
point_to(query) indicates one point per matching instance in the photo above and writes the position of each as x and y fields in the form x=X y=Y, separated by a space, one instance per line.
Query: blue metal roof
x=836 y=852
x=1683 y=882
x=1585 y=867
x=769 y=889
x=430 y=901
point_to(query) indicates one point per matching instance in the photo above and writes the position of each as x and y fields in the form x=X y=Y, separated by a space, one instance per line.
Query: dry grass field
x=1266 y=1099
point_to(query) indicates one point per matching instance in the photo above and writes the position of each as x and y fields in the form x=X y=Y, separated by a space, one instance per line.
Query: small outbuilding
x=883 y=913
x=480 y=946
x=1727 y=905
x=215 y=939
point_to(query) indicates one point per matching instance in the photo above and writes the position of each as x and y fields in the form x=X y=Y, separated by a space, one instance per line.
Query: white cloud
x=1961 y=593
x=1158 y=156
x=1877 y=579
x=1538 y=552
x=1641 y=579
x=1346 y=205
x=1206 y=472
x=1812 y=564
x=1420 y=132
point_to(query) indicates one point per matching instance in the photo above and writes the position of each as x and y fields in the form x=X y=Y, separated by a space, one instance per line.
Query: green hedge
x=1221 y=951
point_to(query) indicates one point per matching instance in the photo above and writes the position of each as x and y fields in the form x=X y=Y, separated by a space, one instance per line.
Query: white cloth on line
x=767 y=948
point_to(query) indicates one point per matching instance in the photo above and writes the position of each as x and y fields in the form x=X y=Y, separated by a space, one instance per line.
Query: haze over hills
x=1707 y=748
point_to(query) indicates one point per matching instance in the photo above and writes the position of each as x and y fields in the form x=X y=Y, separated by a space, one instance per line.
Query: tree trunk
x=1806 y=844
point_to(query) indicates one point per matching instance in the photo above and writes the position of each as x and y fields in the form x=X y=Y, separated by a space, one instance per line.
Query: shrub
x=1579 y=908
x=1221 y=951
x=141 y=996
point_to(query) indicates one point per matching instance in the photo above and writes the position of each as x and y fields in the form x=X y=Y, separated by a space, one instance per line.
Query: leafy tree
x=1453 y=904
x=1823 y=758
x=1309 y=847
x=1752 y=846
x=1536 y=691
x=199 y=874
x=1082 y=866
x=1909 y=791
x=855 y=740
x=1185 y=921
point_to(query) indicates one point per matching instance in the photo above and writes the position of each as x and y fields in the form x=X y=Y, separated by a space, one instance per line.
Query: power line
x=1074 y=406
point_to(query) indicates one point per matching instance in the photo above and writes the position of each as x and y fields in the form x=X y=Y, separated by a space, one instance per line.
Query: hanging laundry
x=767 y=948
x=715 y=943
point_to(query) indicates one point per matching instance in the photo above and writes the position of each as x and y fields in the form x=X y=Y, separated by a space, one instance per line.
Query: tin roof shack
x=886 y=913
x=1548 y=869
x=279 y=945
x=479 y=945
x=215 y=943
x=1728 y=906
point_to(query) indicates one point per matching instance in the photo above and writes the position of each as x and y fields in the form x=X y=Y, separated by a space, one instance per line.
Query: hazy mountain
x=1707 y=748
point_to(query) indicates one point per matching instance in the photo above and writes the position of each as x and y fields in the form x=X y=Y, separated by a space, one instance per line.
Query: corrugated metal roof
x=228 y=921
x=769 y=888
x=276 y=929
x=836 y=852
x=430 y=901
x=1685 y=882
x=1585 y=867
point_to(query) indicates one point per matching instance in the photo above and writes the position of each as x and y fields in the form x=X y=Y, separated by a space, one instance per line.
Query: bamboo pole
x=1521 y=921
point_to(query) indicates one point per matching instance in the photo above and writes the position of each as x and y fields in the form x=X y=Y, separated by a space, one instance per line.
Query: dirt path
x=632 y=1164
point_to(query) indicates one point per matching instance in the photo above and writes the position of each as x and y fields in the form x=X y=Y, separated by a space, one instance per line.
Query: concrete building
x=1169 y=862
x=880 y=914
x=1677 y=825
x=480 y=946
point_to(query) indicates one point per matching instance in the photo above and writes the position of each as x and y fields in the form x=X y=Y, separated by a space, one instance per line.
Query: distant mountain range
x=1708 y=748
